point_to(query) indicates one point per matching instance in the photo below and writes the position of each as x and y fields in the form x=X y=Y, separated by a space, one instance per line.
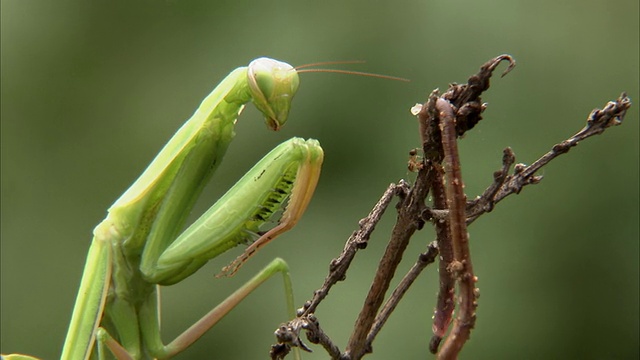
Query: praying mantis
x=139 y=247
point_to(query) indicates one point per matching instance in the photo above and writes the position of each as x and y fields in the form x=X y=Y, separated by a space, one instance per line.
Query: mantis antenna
x=349 y=72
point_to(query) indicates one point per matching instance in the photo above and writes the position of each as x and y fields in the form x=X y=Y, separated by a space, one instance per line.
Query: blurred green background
x=92 y=90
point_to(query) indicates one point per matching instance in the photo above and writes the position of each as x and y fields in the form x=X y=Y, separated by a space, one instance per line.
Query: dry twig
x=441 y=120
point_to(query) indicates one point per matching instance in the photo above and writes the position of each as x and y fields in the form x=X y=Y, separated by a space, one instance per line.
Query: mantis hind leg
x=148 y=319
x=149 y=323
x=107 y=344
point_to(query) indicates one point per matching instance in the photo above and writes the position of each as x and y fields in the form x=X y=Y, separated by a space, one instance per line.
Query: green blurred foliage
x=92 y=90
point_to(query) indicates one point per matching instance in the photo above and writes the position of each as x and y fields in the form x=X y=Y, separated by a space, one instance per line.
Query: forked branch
x=442 y=120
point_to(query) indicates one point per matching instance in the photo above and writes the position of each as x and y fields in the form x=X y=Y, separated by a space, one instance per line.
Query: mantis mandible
x=139 y=245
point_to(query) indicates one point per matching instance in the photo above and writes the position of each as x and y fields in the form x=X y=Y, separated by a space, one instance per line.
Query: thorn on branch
x=466 y=98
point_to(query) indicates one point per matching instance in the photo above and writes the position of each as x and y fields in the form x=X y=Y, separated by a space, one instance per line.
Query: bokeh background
x=92 y=90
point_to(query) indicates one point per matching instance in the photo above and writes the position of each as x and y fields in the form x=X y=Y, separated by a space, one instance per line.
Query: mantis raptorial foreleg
x=141 y=245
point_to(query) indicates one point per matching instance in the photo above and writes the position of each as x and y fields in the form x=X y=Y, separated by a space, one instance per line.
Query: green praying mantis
x=139 y=247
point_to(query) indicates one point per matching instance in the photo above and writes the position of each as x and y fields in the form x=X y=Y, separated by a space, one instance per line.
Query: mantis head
x=272 y=84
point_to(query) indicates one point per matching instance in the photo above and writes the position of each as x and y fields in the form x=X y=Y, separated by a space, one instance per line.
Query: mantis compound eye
x=272 y=85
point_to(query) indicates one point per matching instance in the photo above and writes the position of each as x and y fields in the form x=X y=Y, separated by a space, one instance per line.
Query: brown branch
x=407 y=222
x=466 y=100
x=445 y=302
x=504 y=185
x=441 y=120
x=424 y=259
x=288 y=335
x=461 y=267
x=434 y=154
x=437 y=114
x=358 y=240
